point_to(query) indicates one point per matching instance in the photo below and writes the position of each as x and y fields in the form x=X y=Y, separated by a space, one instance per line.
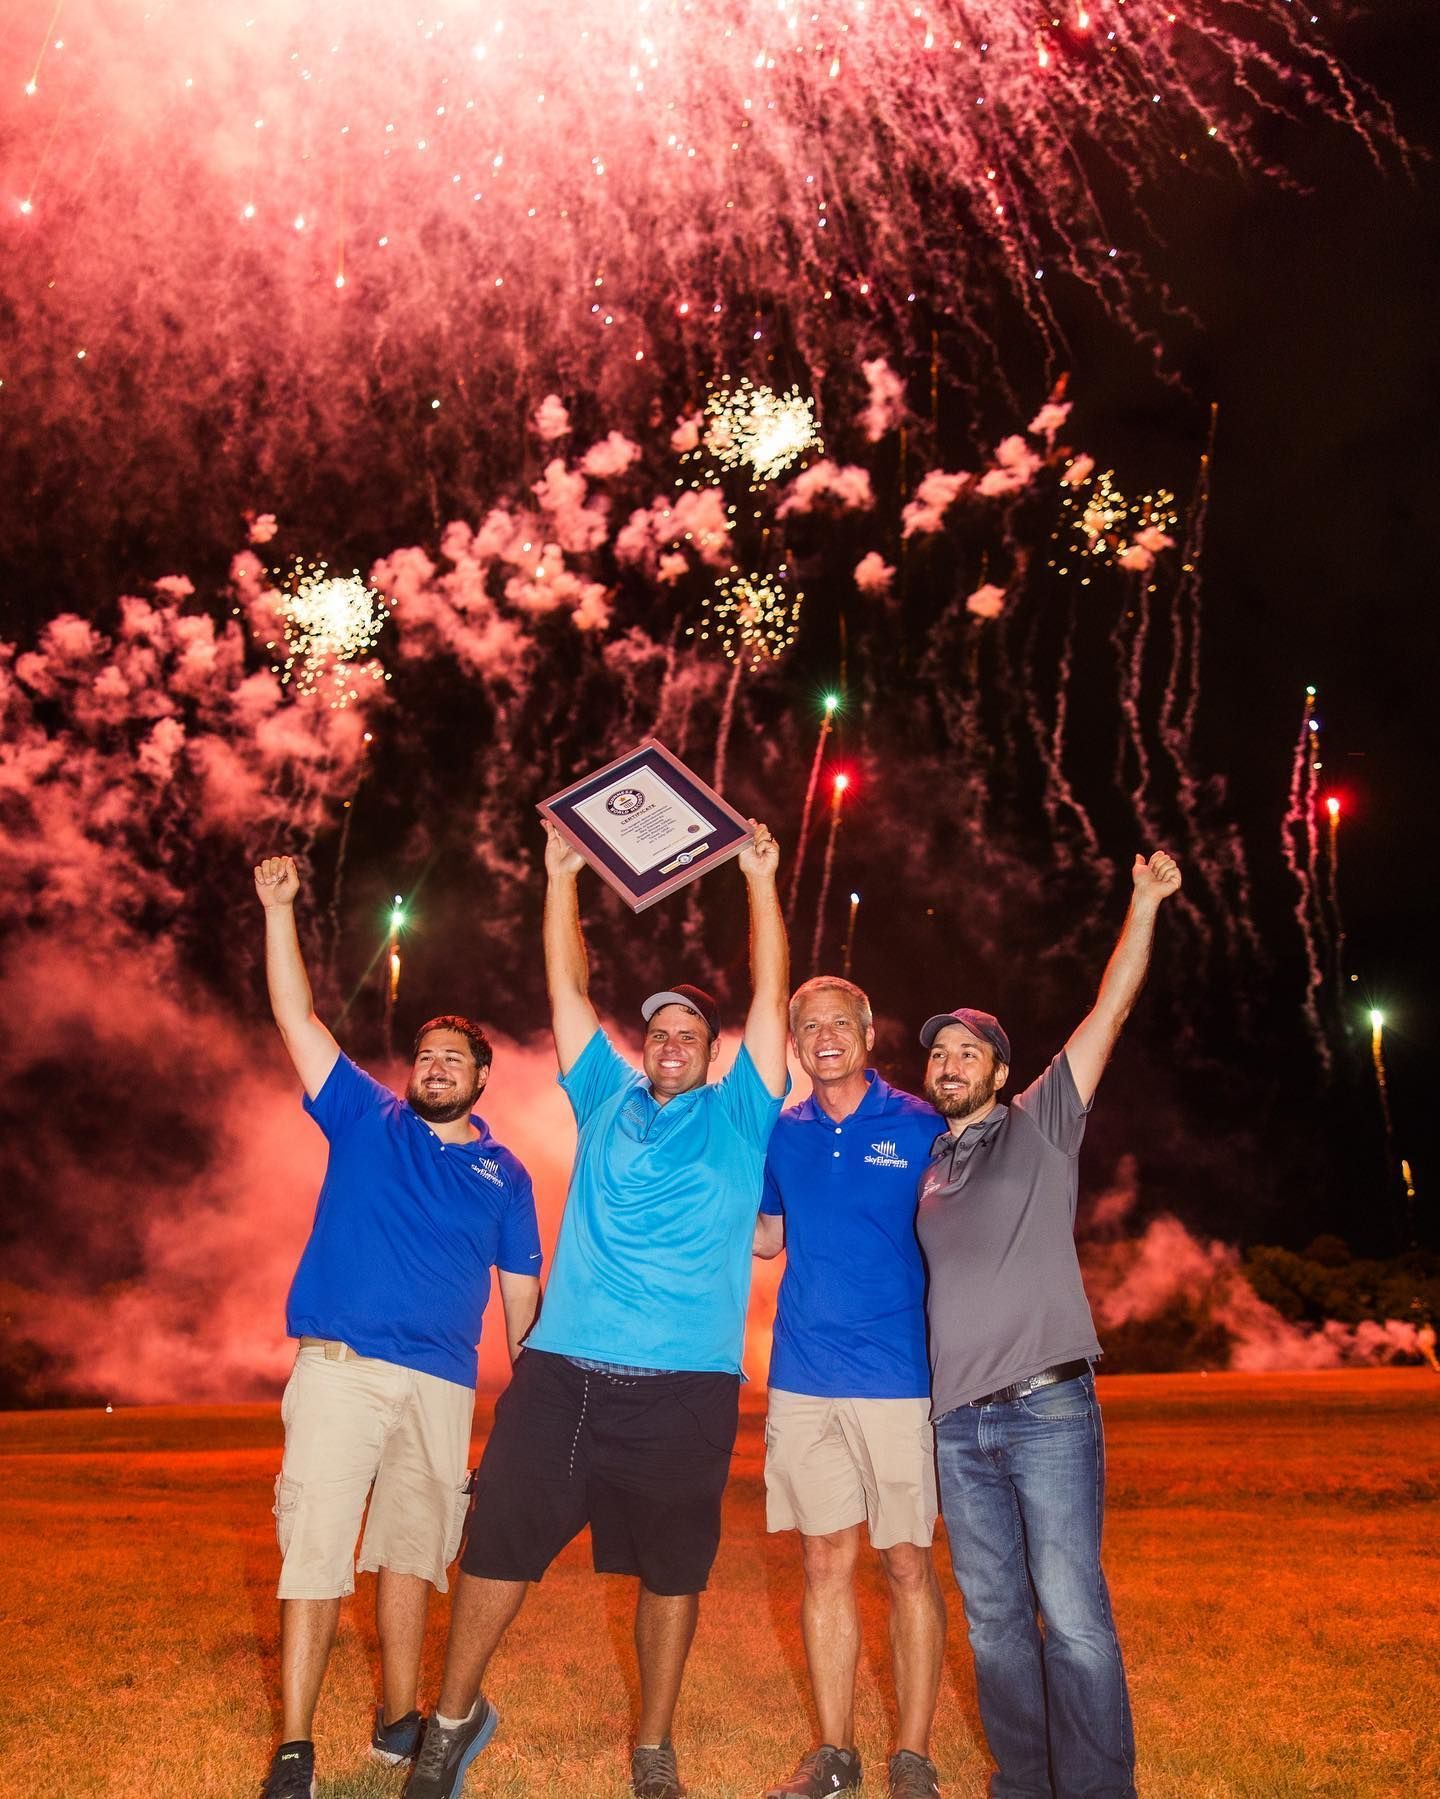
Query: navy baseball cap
x=984 y=1025
x=694 y=998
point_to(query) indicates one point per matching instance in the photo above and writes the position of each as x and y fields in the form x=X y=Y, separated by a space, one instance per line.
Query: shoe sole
x=387 y=1758
x=482 y=1737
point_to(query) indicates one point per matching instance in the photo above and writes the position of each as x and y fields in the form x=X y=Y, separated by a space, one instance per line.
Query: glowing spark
x=331 y=625
x=753 y=618
x=756 y=428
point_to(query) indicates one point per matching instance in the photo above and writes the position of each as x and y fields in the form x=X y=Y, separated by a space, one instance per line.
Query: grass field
x=1272 y=1549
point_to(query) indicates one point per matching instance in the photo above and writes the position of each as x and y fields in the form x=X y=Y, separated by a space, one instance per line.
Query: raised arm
x=567 y=975
x=766 y=1025
x=520 y=1297
x=1093 y=1039
x=312 y=1049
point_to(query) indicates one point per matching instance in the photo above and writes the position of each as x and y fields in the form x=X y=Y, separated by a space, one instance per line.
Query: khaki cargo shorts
x=356 y=1427
x=833 y=1463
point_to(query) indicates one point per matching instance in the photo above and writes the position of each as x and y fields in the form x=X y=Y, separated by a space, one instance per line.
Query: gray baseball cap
x=695 y=998
x=984 y=1025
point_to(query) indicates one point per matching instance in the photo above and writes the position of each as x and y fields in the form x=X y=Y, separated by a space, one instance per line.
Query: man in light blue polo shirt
x=623 y=1409
x=418 y=1204
x=848 y=1436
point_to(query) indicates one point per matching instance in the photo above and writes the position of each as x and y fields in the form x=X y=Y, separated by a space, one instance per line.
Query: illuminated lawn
x=1272 y=1549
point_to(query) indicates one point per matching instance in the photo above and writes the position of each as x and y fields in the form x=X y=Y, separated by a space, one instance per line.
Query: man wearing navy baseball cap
x=1017 y=1427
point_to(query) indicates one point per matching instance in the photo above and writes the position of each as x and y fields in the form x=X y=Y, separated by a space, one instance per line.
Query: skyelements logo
x=489 y=1169
x=886 y=1154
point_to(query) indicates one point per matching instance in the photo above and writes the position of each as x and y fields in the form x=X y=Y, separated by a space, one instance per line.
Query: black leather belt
x=1047 y=1377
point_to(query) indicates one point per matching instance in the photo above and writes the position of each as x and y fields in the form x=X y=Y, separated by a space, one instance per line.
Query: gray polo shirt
x=996 y=1223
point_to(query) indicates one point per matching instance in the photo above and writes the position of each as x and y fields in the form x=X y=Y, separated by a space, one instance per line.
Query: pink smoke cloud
x=886 y=405
x=1078 y=471
x=987 y=601
x=934 y=497
x=610 y=457
x=825 y=483
x=874 y=575
x=550 y=419
x=1016 y=465
x=1049 y=419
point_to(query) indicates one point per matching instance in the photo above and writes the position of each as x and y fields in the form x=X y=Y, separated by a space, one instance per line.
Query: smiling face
x=446 y=1080
x=962 y=1075
x=678 y=1051
x=832 y=1039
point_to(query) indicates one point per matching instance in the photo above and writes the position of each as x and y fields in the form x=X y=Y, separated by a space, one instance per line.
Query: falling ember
x=830 y=705
x=837 y=793
x=331 y=624
x=755 y=428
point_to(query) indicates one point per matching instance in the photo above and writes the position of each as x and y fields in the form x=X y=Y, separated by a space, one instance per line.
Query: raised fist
x=1156 y=879
x=277 y=881
x=761 y=856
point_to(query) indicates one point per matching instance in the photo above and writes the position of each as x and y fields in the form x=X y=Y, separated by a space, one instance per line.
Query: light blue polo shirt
x=850 y=1319
x=652 y=1266
x=406 y=1231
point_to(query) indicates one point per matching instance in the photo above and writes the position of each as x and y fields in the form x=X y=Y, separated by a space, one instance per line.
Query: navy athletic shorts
x=642 y=1459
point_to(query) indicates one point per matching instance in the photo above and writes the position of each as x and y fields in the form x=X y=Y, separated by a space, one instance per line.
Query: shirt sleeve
x=1052 y=1103
x=770 y=1200
x=597 y=1074
x=348 y=1095
x=518 y=1251
x=749 y=1105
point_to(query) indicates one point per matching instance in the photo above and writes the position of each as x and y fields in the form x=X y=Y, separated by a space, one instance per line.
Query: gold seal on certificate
x=647 y=824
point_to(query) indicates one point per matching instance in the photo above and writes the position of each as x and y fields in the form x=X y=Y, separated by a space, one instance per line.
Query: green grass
x=1271 y=1547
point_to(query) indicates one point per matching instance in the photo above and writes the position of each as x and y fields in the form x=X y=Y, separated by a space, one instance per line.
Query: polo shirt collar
x=948 y=1141
x=877 y=1092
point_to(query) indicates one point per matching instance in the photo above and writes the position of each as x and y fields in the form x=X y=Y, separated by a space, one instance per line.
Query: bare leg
x=917 y=1641
x=664 y=1630
x=400 y=1605
x=307 y=1634
x=479 y=1618
x=831 y=1626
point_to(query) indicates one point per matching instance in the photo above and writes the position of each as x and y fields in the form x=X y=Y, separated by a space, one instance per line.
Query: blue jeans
x=1022 y=1489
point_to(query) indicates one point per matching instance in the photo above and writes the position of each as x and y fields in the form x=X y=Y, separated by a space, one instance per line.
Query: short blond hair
x=825 y=983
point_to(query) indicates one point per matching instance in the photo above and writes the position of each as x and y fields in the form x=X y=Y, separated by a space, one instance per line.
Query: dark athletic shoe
x=822 y=1774
x=446 y=1754
x=397 y=1743
x=653 y=1774
x=292 y=1773
x=913 y=1776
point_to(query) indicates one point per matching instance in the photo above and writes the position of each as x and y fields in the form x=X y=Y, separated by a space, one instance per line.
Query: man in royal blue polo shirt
x=623 y=1409
x=418 y=1204
x=848 y=1437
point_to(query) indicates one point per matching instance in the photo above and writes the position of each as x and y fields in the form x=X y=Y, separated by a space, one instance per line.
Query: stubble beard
x=441 y=1111
x=962 y=1106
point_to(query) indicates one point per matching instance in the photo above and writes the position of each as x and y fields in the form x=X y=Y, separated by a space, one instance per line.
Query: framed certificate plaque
x=646 y=824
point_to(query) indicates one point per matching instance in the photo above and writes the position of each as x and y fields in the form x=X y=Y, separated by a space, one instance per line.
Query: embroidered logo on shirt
x=885 y=1154
x=489 y=1169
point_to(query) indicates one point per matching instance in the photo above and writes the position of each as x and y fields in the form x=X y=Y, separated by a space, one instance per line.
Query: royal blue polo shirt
x=652 y=1266
x=406 y=1231
x=850 y=1321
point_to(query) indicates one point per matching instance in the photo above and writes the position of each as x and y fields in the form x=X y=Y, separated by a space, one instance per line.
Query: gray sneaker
x=913 y=1776
x=445 y=1754
x=822 y=1774
x=653 y=1774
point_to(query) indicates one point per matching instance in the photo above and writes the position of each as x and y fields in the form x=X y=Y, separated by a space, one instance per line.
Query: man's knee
x=830 y=1559
x=908 y=1568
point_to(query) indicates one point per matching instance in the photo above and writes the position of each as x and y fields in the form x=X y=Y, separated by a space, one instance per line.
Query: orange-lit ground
x=1272 y=1549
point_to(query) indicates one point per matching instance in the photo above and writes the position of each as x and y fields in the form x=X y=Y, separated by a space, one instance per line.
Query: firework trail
x=1292 y=833
x=1332 y=871
x=803 y=838
x=727 y=719
x=837 y=794
x=1058 y=790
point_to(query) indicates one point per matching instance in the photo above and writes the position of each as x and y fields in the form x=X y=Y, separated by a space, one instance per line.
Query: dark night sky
x=1318 y=344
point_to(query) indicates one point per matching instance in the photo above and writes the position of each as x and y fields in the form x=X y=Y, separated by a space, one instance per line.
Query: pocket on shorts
x=287 y=1504
x=460 y=1514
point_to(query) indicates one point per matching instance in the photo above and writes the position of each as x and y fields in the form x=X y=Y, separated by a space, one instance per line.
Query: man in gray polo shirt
x=1017 y=1426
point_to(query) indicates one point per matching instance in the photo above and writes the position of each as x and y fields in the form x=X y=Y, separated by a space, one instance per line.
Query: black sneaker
x=397 y=1743
x=913 y=1776
x=821 y=1774
x=439 y=1771
x=653 y=1774
x=292 y=1773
